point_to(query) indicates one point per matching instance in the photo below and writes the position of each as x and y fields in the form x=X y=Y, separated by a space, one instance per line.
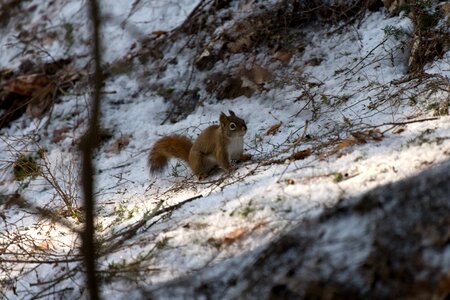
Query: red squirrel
x=216 y=145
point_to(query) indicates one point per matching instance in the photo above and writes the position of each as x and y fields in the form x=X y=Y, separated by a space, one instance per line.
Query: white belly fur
x=235 y=147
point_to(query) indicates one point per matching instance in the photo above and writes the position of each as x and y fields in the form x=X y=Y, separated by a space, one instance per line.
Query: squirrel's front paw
x=245 y=157
x=231 y=169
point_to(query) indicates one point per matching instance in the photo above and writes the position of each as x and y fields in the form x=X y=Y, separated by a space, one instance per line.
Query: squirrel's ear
x=223 y=118
x=232 y=113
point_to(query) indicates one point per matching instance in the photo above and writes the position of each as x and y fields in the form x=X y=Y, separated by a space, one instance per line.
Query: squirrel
x=216 y=145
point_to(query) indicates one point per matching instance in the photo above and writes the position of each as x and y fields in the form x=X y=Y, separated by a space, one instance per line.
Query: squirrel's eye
x=232 y=126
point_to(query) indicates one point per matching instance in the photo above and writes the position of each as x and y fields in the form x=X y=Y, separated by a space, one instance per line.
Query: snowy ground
x=235 y=214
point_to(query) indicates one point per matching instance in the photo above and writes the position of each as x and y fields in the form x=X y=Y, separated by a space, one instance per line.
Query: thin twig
x=365 y=57
x=407 y=122
x=395 y=124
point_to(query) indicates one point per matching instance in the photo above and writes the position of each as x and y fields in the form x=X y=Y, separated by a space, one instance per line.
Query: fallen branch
x=407 y=122
x=395 y=124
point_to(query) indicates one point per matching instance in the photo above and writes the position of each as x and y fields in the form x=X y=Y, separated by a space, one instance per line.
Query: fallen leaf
x=60 y=134
x=14 y=200
x=245 y=157
x=359 y=137
x=259 y=225
x=257 y=74
x=159 y=33
x=313 y=62
x=42 y=246
x=343 y=153
x=241 y=44
x=282 y=55
x=301 y=154
x=37 y=87
x=346 y=143
x=290 y=181
x=234 y=235
x=372 y=134
x=228 y=238
x=398 y=130
x=120 y=143
x=26 y=85
x=376 y=134
x=273 y=129
x=41 y=100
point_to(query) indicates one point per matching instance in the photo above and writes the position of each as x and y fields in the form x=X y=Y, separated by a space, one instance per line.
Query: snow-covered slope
x=339 y=100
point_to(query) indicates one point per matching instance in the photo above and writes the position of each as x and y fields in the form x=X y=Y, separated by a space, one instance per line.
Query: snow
x=262 y=200
x=440 y=66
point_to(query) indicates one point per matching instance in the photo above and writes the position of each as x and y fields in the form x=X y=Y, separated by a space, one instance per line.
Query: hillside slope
x=334 y=108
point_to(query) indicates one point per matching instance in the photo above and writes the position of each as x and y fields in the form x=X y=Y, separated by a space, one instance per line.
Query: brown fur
x=177 y=146
x=207 y=151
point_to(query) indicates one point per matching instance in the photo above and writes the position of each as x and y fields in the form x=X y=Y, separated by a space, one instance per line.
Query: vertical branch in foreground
x=87 y=147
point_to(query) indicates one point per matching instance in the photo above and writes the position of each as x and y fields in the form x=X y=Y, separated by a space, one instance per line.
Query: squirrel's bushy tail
x=177 y=146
